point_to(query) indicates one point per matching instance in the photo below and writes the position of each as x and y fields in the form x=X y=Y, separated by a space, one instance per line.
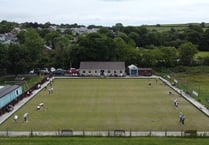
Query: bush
x=178 y=69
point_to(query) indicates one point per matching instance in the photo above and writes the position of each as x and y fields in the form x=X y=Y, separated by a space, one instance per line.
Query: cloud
x=114 y=0
x=105 y=12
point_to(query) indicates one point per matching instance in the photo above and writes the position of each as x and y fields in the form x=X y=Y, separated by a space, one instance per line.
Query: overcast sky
x=105 y=12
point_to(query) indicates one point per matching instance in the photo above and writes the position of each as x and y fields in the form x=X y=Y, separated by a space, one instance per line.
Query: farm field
x=168 y=27
x=107 y=104
x=198 y=82
x=202 y=54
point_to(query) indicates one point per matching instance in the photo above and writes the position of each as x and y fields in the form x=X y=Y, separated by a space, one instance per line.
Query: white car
x=32 y=71
x=52 y=69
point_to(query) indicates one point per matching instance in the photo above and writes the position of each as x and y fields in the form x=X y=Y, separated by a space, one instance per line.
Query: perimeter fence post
x=150 y=133
x=31 y=132
x=58 y=132
x=7 y=132
x=182 y=132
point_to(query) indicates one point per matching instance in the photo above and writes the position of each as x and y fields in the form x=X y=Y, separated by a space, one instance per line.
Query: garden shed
x=133 y=70
x=145 y=72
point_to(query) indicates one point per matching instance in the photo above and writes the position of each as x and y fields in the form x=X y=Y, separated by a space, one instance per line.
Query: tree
x=134 y=36
x=106 y=31
x=204 y=44
x=118 y=27
x=132 y=55
x=148 y=59
x=130 y=29
x=158 y=55
x=206 y=60
x=18 y=62
x=33 y=46
x=50 y=38
x=169 y=56
x=62 y=52
x=6 y=27
x=194 y=34
x=96 y=47
x=186 y=53
x=143 y=32
x=154 y=38
x=3 y=59
x=120 y=48
x=123 y=36
x=202 y=24
x=21 y=37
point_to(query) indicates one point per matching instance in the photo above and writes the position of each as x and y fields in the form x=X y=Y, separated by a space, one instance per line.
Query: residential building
x=8 y=38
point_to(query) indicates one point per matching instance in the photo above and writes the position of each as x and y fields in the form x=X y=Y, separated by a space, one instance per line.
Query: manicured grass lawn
x=103 y=141
x=102 y=104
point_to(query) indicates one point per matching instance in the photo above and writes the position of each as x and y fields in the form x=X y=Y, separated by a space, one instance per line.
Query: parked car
x=72 y=71
x=52 y=69
x=44 y=71
x=34 y=71
x=59 y=71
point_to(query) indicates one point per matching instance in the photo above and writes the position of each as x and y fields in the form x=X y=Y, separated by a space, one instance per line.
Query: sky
x=105 y=12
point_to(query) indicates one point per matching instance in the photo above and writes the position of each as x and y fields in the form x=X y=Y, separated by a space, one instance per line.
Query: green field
x=168 y=27
x=202 y=54
x=107 y=104
x=197 y=82
x=103 y=141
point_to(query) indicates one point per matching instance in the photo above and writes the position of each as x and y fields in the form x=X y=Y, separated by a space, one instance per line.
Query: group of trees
x=18 y=58
x=134 y=45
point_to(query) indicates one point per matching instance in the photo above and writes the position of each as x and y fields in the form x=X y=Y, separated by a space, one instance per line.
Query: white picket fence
x=102 y=133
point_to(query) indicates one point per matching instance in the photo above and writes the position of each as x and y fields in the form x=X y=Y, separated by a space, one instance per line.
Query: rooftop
x=4 y=90
x=102 y=65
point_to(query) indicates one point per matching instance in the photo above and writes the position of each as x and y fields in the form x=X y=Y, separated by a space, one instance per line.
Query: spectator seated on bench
x=9 y=108
x=38 y=86
x=173 y=84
